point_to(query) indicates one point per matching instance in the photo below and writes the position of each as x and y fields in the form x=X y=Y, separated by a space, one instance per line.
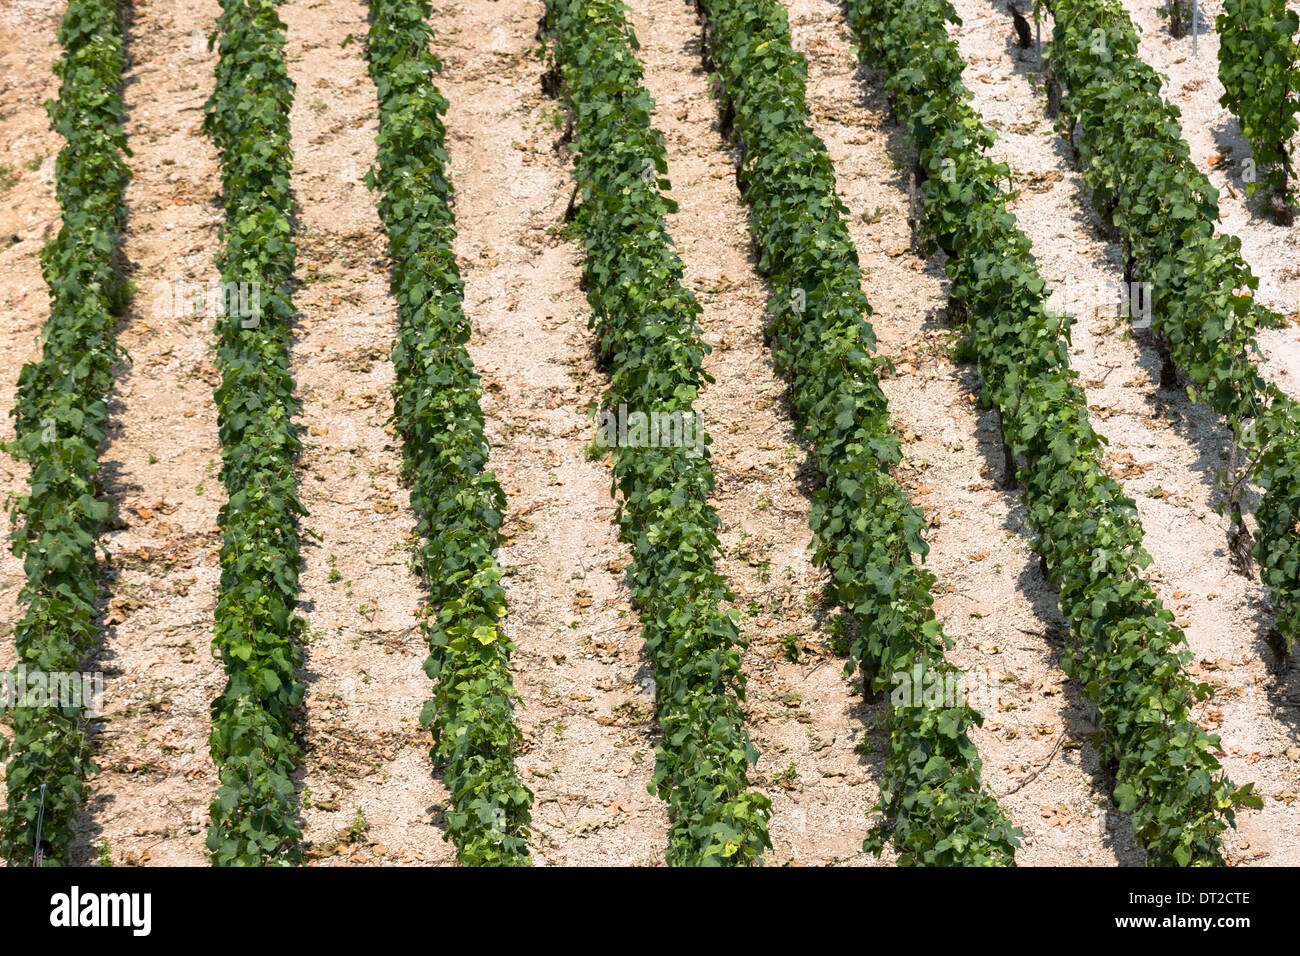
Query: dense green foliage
x=252 y=742
x=60 y=419
x=649 y=339
x=457 y=501
x=1258 y=67
x=1135 y=159
x=866 y=532
x=1124 y=649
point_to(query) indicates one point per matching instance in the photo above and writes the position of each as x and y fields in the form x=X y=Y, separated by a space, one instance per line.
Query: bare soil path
x=161 y=464
x=368 y=792
x=580 y=671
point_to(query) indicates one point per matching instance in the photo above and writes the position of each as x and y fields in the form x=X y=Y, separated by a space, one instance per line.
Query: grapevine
x=60 y=421
x=252 y=743
x=457 y=501
x=1260 y=72
x=1124 y=650
x=648 y=334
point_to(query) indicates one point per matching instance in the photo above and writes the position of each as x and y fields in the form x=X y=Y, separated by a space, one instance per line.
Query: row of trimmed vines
x=866 y=532
x=1124 y=649
x=252 y=742
x=60 y=420
x=1259 y=66
x=1164 y=211
x=648 y=338
x=457 y=501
